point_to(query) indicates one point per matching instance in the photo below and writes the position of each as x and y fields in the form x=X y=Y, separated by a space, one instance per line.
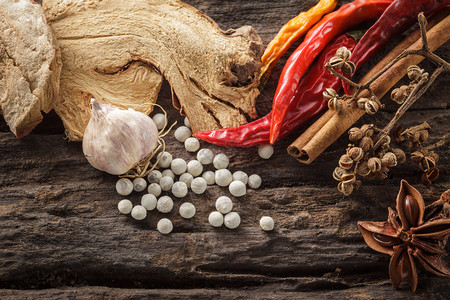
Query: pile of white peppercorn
x=177 y=177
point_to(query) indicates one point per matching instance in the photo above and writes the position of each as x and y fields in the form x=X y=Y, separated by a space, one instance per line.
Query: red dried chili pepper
x=307 y=102
x=398 y=17
x=318 y=37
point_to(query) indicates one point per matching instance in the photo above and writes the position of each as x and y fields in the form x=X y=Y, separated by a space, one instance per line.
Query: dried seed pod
x=329 y=94
x=348 y=178
x=343 y=53
x=363 y=169
x=400 y=155
x=345 y=188
x=389 y=160
x=423 y=135
x=362 y=102
x=400 y=94
x=348 y=68
x=417 y=156
x=371 y=107
x=375 y=99
x=367 y=129
x=345 y=162
x=336 y=62
x=414 y=146
x=355 y=134
x=366 y=144
x=434 y=155
x=413 y=136
x=374 y=164
x=334 y=104
x=338 y=172
x=355 y=153
x=430 y=176
x=414 y=73
x=427 y=163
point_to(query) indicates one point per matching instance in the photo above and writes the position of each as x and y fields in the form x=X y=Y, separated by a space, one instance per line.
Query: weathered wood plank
x=59 y=224
x=375 y=291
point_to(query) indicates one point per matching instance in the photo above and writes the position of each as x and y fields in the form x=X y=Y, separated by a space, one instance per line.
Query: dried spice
x=412 y=234
x=214 y=74
x=378 y=82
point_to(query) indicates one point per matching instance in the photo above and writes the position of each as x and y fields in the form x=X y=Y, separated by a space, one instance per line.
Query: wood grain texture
x=61 y=235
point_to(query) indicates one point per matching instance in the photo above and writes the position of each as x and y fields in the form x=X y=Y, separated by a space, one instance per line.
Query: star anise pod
x=414 y=233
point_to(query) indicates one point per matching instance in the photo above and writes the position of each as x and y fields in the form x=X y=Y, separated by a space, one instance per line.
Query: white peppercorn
x=164 y=226
x=215 y=219
x=198 y=185
x=205 y=156
x=210 y=177
x=187 y=178
x=224 y=204
x=237 y=188
x=139 y=184
x=165 y=158
x=166 y=183
x=221 y=161
x=154 y=189
x=186 y=122
x=164 y=204
x=232 y=220
x=254 y=181
x=194 y=167
x=154 y=176
x=187 y=210
x=191 y=144
x=182 y=133
x=178 y=166
x=139 y=212
x=124 y=186
x=241 y=176
x=149 y=201
x=179 y=189
x=265 y=151
x=168 y=172
x=125 y=206
x=160 y=120
x=266 y=223
x=223 y=177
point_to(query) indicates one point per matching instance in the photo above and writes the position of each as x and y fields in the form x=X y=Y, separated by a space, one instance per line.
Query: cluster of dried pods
x=414 y=233
x=415 y=74
x=364 y=159
x=373 y=156
x=341 y=62
x=424 y=157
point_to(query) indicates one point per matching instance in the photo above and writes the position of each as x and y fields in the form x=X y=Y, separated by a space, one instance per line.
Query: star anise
x=414 y=233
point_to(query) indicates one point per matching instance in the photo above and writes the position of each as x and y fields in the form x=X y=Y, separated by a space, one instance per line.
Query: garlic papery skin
x=116 y=140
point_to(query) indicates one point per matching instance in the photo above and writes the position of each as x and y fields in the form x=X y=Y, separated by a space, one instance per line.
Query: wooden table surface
x=61 y=235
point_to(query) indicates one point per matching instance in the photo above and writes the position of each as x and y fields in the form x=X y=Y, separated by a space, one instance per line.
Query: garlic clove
x=116 y=140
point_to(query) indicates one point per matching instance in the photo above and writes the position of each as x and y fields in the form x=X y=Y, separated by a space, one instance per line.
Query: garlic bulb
x=116 y=140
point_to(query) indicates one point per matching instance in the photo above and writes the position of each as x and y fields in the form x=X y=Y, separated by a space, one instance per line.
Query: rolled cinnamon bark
x=331 y=126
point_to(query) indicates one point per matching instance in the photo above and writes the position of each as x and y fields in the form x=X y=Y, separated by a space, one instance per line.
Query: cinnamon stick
x=331 y=126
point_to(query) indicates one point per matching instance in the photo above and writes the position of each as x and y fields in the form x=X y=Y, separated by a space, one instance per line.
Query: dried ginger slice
x=118 y=51
x=30 y=65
